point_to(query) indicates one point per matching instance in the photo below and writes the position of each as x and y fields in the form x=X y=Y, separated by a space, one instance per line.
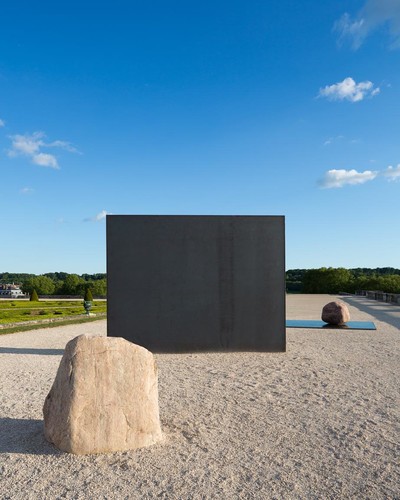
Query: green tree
x=59 y=288
x=42 y=284
x=73 y=285
x=59 y=276
x=98 y=287
x=389 y=283
x=325 y=280
x=328 y=280
x=367 y=282
x=34 y=296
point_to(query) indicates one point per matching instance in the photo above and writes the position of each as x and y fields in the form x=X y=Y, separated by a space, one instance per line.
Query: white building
x=11 y=291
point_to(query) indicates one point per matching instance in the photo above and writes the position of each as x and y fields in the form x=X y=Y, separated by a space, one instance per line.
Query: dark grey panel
x=190 y=283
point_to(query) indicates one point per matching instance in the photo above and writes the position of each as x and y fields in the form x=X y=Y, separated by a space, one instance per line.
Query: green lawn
x=17 y=311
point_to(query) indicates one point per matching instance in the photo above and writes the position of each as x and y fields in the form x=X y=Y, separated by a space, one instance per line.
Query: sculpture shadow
x=31 y=350
x=24 y=436
x=379 y=310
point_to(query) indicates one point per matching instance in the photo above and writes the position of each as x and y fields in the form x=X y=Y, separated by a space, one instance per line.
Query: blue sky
x=241 y=107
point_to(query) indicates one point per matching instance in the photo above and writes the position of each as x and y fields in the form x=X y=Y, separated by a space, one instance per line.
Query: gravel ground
x=319 y=421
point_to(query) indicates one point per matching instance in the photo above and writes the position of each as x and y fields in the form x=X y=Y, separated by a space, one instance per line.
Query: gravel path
x=319 y=421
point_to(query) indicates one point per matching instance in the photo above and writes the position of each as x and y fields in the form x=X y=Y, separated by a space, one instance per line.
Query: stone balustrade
x=392 y=298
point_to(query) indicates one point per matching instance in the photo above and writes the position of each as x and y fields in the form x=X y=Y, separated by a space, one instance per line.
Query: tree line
x=59 y=283
x=335 y=280
x=322 y=280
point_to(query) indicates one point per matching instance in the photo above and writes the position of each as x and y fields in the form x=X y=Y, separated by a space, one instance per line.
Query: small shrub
x=34 y=296
x=88 y=295
x=42 y=312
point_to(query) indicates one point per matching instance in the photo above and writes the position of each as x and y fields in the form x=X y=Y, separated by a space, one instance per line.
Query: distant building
x=11 y=291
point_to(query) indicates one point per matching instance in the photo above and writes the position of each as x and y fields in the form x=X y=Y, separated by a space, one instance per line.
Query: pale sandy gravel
x=319 y=421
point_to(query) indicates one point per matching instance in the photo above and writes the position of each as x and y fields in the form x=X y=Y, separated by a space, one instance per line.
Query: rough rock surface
x=335 y=313
x=104 y=397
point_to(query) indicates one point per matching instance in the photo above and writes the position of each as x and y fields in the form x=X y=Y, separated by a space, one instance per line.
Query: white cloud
x=339 y=178
x=102 y=215
x=63 y=145
x=349 y=90
x=2 y=123
x=99 y=217
x=392 y=173
x=331 y=140
x=340 y=139
x=45 y=160
x=374 y=14
x=356 y=30
x=26 y=145
x=31 y=145
x=26 y=190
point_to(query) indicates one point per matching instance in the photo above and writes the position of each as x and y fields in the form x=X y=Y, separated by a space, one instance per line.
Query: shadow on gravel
x=382 y=311
x=24 y=436
x=30 y=350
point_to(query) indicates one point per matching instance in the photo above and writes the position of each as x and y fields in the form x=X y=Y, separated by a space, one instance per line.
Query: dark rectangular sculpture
x=197 y=283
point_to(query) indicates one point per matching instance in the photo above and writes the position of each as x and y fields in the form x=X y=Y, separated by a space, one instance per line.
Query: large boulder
x=335 y=313
x=104 y=397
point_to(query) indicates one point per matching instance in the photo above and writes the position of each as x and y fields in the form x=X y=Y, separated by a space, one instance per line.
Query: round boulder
x=335 y=313
x=104 y=397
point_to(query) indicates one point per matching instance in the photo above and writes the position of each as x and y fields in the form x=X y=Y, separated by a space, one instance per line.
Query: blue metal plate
x=310 y=323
